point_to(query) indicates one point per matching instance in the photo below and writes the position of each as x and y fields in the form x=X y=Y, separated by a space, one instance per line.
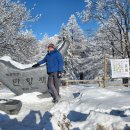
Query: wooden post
x=100 y=81
x=67 y=83
x=105 y=71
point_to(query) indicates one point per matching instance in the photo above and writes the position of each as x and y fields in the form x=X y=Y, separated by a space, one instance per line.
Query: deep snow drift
x=82 y=107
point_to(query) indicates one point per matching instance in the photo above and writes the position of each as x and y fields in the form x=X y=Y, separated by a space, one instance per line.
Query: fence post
x=67 y=83
x=100 y=81
x=105 y=71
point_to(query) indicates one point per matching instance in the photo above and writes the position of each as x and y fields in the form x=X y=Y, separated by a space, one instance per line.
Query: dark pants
x=53 y=85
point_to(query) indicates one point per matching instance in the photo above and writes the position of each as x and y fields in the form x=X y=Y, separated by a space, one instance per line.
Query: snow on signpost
x=120 y=68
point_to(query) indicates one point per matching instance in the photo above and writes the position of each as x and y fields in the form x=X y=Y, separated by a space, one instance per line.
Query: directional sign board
x=120 y=68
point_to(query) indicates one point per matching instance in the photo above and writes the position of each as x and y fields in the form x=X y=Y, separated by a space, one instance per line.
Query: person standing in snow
x=54 y=63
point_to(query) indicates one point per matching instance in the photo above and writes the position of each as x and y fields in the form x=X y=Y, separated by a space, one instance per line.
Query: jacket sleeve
x=43 y=60
x=60 y=62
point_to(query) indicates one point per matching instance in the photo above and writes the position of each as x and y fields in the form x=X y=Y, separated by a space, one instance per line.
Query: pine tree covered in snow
x=76 y=51
x=63 y=32
x=75 y=33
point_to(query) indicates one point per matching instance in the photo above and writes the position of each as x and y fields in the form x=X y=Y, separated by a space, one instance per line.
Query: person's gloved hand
x=59 y=75
x=36 y=65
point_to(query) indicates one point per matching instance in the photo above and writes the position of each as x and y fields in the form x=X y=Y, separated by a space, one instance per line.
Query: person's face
x=50 y=49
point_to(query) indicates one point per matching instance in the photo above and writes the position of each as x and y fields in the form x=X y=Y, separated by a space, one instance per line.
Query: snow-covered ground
x=82 y=107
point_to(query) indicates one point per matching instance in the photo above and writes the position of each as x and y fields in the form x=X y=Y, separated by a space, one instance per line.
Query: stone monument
x=27 y=80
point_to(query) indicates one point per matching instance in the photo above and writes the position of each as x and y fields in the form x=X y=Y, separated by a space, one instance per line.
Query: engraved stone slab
x=27 y=80
x=23 y=81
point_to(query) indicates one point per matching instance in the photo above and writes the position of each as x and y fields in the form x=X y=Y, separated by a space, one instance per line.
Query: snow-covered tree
x=13 y=15
x=26 y=44
x=114 y=15
x=114 y=19
x=72 y=31
x=76 y=34
x=44 y=42
x=14 y=41
x=64 y=33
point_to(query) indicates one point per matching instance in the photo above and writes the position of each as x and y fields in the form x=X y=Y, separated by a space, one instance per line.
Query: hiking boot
x=56 y=100
x=53 y=100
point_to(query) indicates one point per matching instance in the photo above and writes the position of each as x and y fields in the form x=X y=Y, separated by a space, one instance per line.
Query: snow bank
x=106 y=121
x=18 y=65
x=93 y=108
x=82 y=107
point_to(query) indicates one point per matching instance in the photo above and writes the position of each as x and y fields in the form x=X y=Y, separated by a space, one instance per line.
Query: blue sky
x=54 y=13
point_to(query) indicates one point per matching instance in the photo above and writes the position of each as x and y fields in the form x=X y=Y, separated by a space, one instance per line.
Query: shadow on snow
x=28 y=123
